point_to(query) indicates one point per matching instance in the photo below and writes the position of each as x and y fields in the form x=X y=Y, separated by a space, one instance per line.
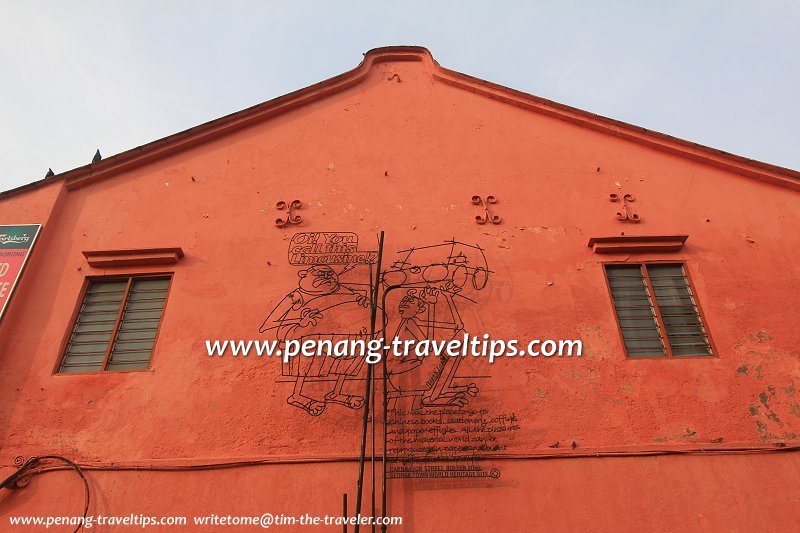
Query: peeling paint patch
x=759 y=336
x=763 y=398
x=773 y=404
x=774 y=417
x=686 y=433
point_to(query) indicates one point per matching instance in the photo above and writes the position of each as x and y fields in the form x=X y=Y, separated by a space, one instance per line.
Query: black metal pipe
x=372 y=452
x=368 y=391
x=384 y=322
x=344 y=512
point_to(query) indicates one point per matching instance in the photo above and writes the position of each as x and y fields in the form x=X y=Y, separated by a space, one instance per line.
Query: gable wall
x=403 y=153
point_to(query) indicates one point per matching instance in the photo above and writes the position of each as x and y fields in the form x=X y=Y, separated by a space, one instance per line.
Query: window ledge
x=131 y=258
x=637 y=244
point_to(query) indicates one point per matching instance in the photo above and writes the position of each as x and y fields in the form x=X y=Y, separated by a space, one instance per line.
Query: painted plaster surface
x=402 y=151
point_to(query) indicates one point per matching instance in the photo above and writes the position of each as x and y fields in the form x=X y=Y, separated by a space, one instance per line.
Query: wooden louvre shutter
x=635 y=311
x=94 y=326
x=116 y=325
x=678 y=310
x=656 y=311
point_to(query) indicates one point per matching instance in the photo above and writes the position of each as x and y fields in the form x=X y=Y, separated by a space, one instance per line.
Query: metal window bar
x=131 y=313
x=633 y=300
x=679 y=316
x=102 y=324
x=667 y=297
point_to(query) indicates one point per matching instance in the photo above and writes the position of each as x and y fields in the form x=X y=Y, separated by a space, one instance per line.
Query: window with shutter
x=116 y=325
x=656 y=310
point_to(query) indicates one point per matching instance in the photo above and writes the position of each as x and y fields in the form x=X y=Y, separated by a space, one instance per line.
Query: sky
x=81 y=75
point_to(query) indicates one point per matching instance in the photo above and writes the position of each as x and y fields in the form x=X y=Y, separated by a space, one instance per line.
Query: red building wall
x=401 y=145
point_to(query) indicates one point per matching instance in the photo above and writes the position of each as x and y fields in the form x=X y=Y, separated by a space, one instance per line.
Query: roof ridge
x=140 y=155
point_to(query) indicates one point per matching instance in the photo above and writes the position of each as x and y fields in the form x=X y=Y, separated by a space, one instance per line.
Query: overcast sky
x=80 y=75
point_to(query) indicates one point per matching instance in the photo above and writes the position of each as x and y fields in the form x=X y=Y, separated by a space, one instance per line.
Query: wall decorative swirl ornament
x=487 y=216
x=625 y=214
x=290 y=217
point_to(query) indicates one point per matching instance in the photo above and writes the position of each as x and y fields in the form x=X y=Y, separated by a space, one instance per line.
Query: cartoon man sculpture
x=321 y=307
x=428 y=379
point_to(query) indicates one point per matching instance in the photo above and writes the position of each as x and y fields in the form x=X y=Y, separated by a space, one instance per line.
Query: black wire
x=367 y=394
x=33 y=461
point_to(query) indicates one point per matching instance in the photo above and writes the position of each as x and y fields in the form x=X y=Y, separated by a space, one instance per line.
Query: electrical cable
x=571 y=454
x=26 y=468
x=29 y=468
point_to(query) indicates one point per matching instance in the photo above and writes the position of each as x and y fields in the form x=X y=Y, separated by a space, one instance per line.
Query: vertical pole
x=344 y=512
x=385 y=376
x=368 y=392
x=372 y=449
x=373 y=283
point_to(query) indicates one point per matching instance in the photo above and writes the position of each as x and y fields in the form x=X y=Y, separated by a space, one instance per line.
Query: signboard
x=328 y=248
x=16 y=244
